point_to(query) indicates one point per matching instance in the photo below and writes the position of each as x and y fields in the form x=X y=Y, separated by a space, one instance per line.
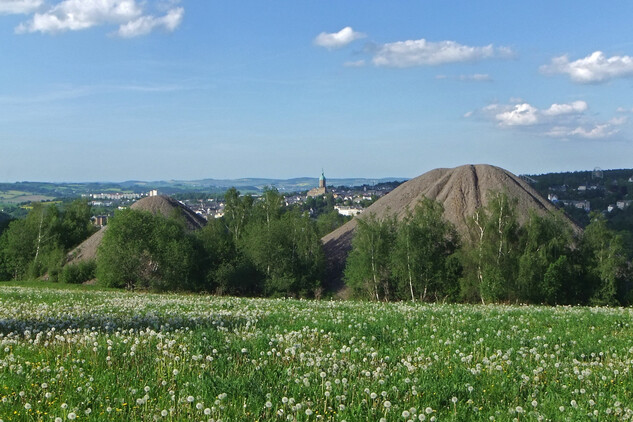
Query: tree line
x=261 y=247
x=37 y=244
x=421 y=257
x=258 y=248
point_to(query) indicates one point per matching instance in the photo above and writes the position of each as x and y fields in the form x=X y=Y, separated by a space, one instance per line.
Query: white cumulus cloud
x=146 y=24
x=560 y=109
x=75 y=15
x=520 y=115
x=598 y=131
x=427 y=53
x=619 y=120
x=18 y=7
x=566 y=120
x=594 y=68
x=338 y=39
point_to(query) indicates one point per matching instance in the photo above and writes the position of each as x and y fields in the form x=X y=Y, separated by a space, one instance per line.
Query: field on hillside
x=97 y=355
x=17 y=197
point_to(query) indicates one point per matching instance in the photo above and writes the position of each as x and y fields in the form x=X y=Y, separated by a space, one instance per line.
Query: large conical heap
x=461 y=191
x=161 y=204
x=168 y=207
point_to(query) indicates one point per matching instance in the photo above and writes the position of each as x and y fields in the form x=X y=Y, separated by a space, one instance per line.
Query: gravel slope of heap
x=461 y=190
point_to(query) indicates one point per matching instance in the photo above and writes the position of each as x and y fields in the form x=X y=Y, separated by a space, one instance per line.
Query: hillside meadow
x=89 y=354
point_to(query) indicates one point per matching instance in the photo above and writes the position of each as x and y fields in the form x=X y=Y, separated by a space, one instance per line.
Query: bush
x=78 y=273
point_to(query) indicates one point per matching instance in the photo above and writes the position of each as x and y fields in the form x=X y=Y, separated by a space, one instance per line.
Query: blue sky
x=112 y=90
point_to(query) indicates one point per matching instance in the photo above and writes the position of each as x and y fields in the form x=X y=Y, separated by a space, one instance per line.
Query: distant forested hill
x=609 y=192
x=253 y=185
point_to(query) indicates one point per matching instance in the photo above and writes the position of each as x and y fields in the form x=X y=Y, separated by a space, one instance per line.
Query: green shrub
x=78 y=273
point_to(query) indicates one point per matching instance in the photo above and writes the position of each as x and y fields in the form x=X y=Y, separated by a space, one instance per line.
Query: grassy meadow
x=78 y=354
x=17 y=197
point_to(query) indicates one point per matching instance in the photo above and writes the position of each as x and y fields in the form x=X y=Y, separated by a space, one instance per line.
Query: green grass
x=38 y=284
x=112 y=355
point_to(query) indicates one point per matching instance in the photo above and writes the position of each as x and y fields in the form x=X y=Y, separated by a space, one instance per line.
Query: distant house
x=294 y=199
x=350 y=211
x=583 y=205
x=100 y=220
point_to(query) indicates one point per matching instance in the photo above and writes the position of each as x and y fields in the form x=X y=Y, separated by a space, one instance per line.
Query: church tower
x=321 y=190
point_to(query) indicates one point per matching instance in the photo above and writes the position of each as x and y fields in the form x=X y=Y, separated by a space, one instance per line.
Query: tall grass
x=103 y=355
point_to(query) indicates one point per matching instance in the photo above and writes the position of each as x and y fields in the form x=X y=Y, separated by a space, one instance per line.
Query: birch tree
x=493 y=253
x=424 y=242
x=605 y=263
x=367 y=267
